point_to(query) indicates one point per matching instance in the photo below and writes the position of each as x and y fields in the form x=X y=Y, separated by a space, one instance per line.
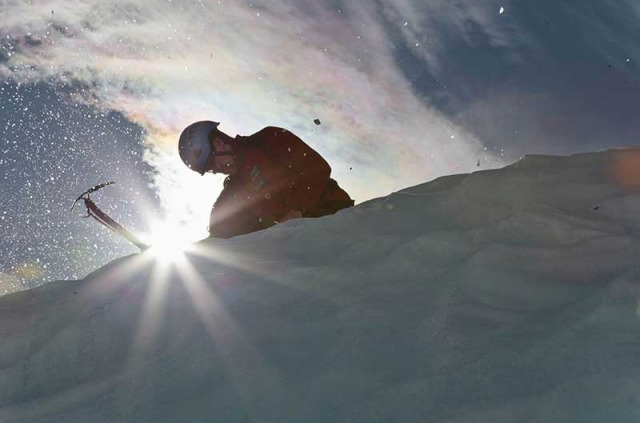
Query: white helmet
x=195 y=145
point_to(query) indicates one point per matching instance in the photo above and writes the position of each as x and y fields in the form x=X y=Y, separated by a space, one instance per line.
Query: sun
x=168 y=242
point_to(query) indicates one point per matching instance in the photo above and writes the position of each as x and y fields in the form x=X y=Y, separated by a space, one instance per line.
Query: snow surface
x=508 y=295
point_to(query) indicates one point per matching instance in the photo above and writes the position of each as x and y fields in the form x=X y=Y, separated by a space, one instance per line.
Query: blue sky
x=406 y=91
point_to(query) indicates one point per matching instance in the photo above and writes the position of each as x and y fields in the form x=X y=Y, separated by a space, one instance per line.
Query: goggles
x=210 y=164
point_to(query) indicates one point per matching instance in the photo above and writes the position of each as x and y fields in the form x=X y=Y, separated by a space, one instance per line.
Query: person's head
x=204 y=148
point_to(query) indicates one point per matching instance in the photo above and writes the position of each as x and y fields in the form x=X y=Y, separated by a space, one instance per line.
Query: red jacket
x=276 y=172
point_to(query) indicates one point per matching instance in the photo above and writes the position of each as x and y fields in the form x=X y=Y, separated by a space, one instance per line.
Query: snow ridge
x=503 y=295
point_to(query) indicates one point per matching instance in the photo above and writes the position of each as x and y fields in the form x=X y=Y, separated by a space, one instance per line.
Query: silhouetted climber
x=273 y=176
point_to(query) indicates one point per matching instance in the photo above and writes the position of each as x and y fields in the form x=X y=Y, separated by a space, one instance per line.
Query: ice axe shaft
x=94 y=211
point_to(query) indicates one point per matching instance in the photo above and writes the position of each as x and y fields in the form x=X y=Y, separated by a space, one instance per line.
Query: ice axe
x=95 y=212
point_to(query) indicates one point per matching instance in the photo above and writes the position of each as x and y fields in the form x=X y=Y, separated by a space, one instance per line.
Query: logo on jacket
x=257 y=182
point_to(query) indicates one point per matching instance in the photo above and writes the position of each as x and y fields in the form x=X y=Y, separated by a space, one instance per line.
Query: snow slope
x=500 y=296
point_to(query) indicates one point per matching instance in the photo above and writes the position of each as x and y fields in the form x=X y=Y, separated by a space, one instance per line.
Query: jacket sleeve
x=229 y=216
x=307 y=173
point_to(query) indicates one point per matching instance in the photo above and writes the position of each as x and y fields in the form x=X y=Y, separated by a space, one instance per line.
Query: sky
x=511 y=295
x=406 y=91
